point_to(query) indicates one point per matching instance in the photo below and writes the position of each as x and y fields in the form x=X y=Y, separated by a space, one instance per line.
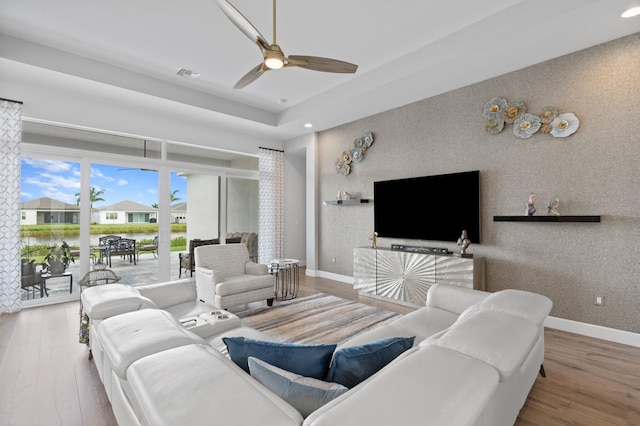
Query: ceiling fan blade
x=242 y=23
x=250 y=77
x=322 y=64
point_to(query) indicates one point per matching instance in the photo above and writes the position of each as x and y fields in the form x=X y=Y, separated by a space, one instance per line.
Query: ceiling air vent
x=185 y=73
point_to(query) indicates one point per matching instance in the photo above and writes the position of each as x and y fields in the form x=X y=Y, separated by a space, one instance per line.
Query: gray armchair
x=226 y=277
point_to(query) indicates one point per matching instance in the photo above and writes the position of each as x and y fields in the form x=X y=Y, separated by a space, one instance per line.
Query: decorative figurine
x=531 y=208
x=464 y=242
x=373 y=240
x=552 y=210
x=339 y=196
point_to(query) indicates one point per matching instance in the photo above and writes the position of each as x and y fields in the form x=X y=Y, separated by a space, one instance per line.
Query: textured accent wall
x=596 y=171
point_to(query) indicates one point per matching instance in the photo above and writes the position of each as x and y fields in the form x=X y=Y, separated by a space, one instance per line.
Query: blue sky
x=60 y=180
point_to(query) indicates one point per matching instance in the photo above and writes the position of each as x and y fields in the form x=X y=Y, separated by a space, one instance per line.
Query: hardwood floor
x=46 y=378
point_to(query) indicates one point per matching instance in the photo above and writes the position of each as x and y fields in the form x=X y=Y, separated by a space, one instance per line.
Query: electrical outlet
x=599 y=300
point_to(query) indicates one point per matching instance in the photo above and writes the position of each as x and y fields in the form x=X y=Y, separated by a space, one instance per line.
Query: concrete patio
x=144 y=271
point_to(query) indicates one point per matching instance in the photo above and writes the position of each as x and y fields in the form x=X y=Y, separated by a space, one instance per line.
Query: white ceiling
x=405 y=50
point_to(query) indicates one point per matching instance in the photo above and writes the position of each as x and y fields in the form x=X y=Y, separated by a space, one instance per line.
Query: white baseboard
x=335 y=277
x=591 y=330
x=584 y=329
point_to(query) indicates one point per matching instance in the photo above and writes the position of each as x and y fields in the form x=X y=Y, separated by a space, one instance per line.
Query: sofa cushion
x=426 y=321
x=305 y=394
x=244 y=283
x=228 y=259
x=306 y=360
x=194 y=385
x=453 y=299
x=133 y=335
x=501 y=340
x=352 y=365
x=428 y=386
x=104 y=301
x=532 y=306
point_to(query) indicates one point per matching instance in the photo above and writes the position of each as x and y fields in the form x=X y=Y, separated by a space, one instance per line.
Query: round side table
x=287 y=272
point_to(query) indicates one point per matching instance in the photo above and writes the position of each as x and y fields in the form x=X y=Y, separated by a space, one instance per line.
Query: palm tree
x=94 y=195
x=172 y=198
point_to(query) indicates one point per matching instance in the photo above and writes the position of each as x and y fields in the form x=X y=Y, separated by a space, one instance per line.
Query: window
x=122 y=198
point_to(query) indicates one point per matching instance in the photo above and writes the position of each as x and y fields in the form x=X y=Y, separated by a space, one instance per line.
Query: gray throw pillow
x=305 y=394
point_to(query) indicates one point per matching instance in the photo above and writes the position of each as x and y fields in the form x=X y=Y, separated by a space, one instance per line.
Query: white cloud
x=122 y=182
x=49 y=165
x=97 y=174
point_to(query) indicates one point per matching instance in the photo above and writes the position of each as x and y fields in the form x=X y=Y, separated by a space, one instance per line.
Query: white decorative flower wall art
x=354 y=155
x=499 y=111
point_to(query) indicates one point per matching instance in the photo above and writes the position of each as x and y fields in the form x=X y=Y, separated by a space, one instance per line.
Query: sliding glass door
x=124 y=221
x=49 y=228
x=99 y=200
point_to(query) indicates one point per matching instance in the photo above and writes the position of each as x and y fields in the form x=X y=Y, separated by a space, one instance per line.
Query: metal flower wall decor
x=499 y=111
x=354 y=155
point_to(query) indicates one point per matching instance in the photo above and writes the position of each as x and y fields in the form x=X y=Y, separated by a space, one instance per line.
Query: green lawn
x=58 y=232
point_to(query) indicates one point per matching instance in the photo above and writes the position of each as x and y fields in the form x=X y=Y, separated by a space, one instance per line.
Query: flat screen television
x=435 y=208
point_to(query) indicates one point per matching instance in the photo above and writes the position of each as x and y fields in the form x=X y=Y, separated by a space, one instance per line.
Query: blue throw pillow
x=354 y=364
x=305 y=360
x=305 y=394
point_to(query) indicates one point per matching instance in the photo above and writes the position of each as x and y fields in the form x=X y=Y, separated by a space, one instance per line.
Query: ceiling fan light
x=273 y=62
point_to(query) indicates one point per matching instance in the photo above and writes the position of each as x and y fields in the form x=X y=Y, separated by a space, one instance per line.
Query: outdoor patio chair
x=104 y=246
x=149 y=248
x=31 y=277
x=187 y=261
x=123 y=247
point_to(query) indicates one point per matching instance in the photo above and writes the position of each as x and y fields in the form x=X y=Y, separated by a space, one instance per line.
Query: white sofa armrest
x=168 y=293
x=107 y=300
x=253 y=268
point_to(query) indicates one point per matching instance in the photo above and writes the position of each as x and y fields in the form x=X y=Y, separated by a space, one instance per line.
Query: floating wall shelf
x=546 y=218
x=346 y=202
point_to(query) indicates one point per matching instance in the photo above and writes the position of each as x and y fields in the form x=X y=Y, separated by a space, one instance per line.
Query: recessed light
x=308 y=125
x=629 y=13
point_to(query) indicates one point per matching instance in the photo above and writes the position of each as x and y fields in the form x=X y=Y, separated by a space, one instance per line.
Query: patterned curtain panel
x=270 y=189
x=10 y=272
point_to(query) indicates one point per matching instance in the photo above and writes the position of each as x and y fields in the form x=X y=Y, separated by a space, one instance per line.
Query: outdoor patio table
x=47 y=276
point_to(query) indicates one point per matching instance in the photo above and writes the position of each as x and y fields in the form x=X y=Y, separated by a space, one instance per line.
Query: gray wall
x=596 y=171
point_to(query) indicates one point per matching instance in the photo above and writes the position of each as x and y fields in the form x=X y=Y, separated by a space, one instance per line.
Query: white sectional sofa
x=474 y=360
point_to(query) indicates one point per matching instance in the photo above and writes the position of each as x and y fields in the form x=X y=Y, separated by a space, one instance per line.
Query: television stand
x=419 y=249
x=405 y=276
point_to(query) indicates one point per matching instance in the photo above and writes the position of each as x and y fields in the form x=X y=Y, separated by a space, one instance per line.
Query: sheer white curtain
x=271 y=208
x=10 y=271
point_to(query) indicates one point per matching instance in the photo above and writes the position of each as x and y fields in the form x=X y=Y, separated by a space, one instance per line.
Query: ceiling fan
x=274 y=58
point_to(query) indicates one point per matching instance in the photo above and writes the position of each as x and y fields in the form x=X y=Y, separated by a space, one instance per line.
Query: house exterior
x=46 y=210
x=179 y=213
x=125 y=212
